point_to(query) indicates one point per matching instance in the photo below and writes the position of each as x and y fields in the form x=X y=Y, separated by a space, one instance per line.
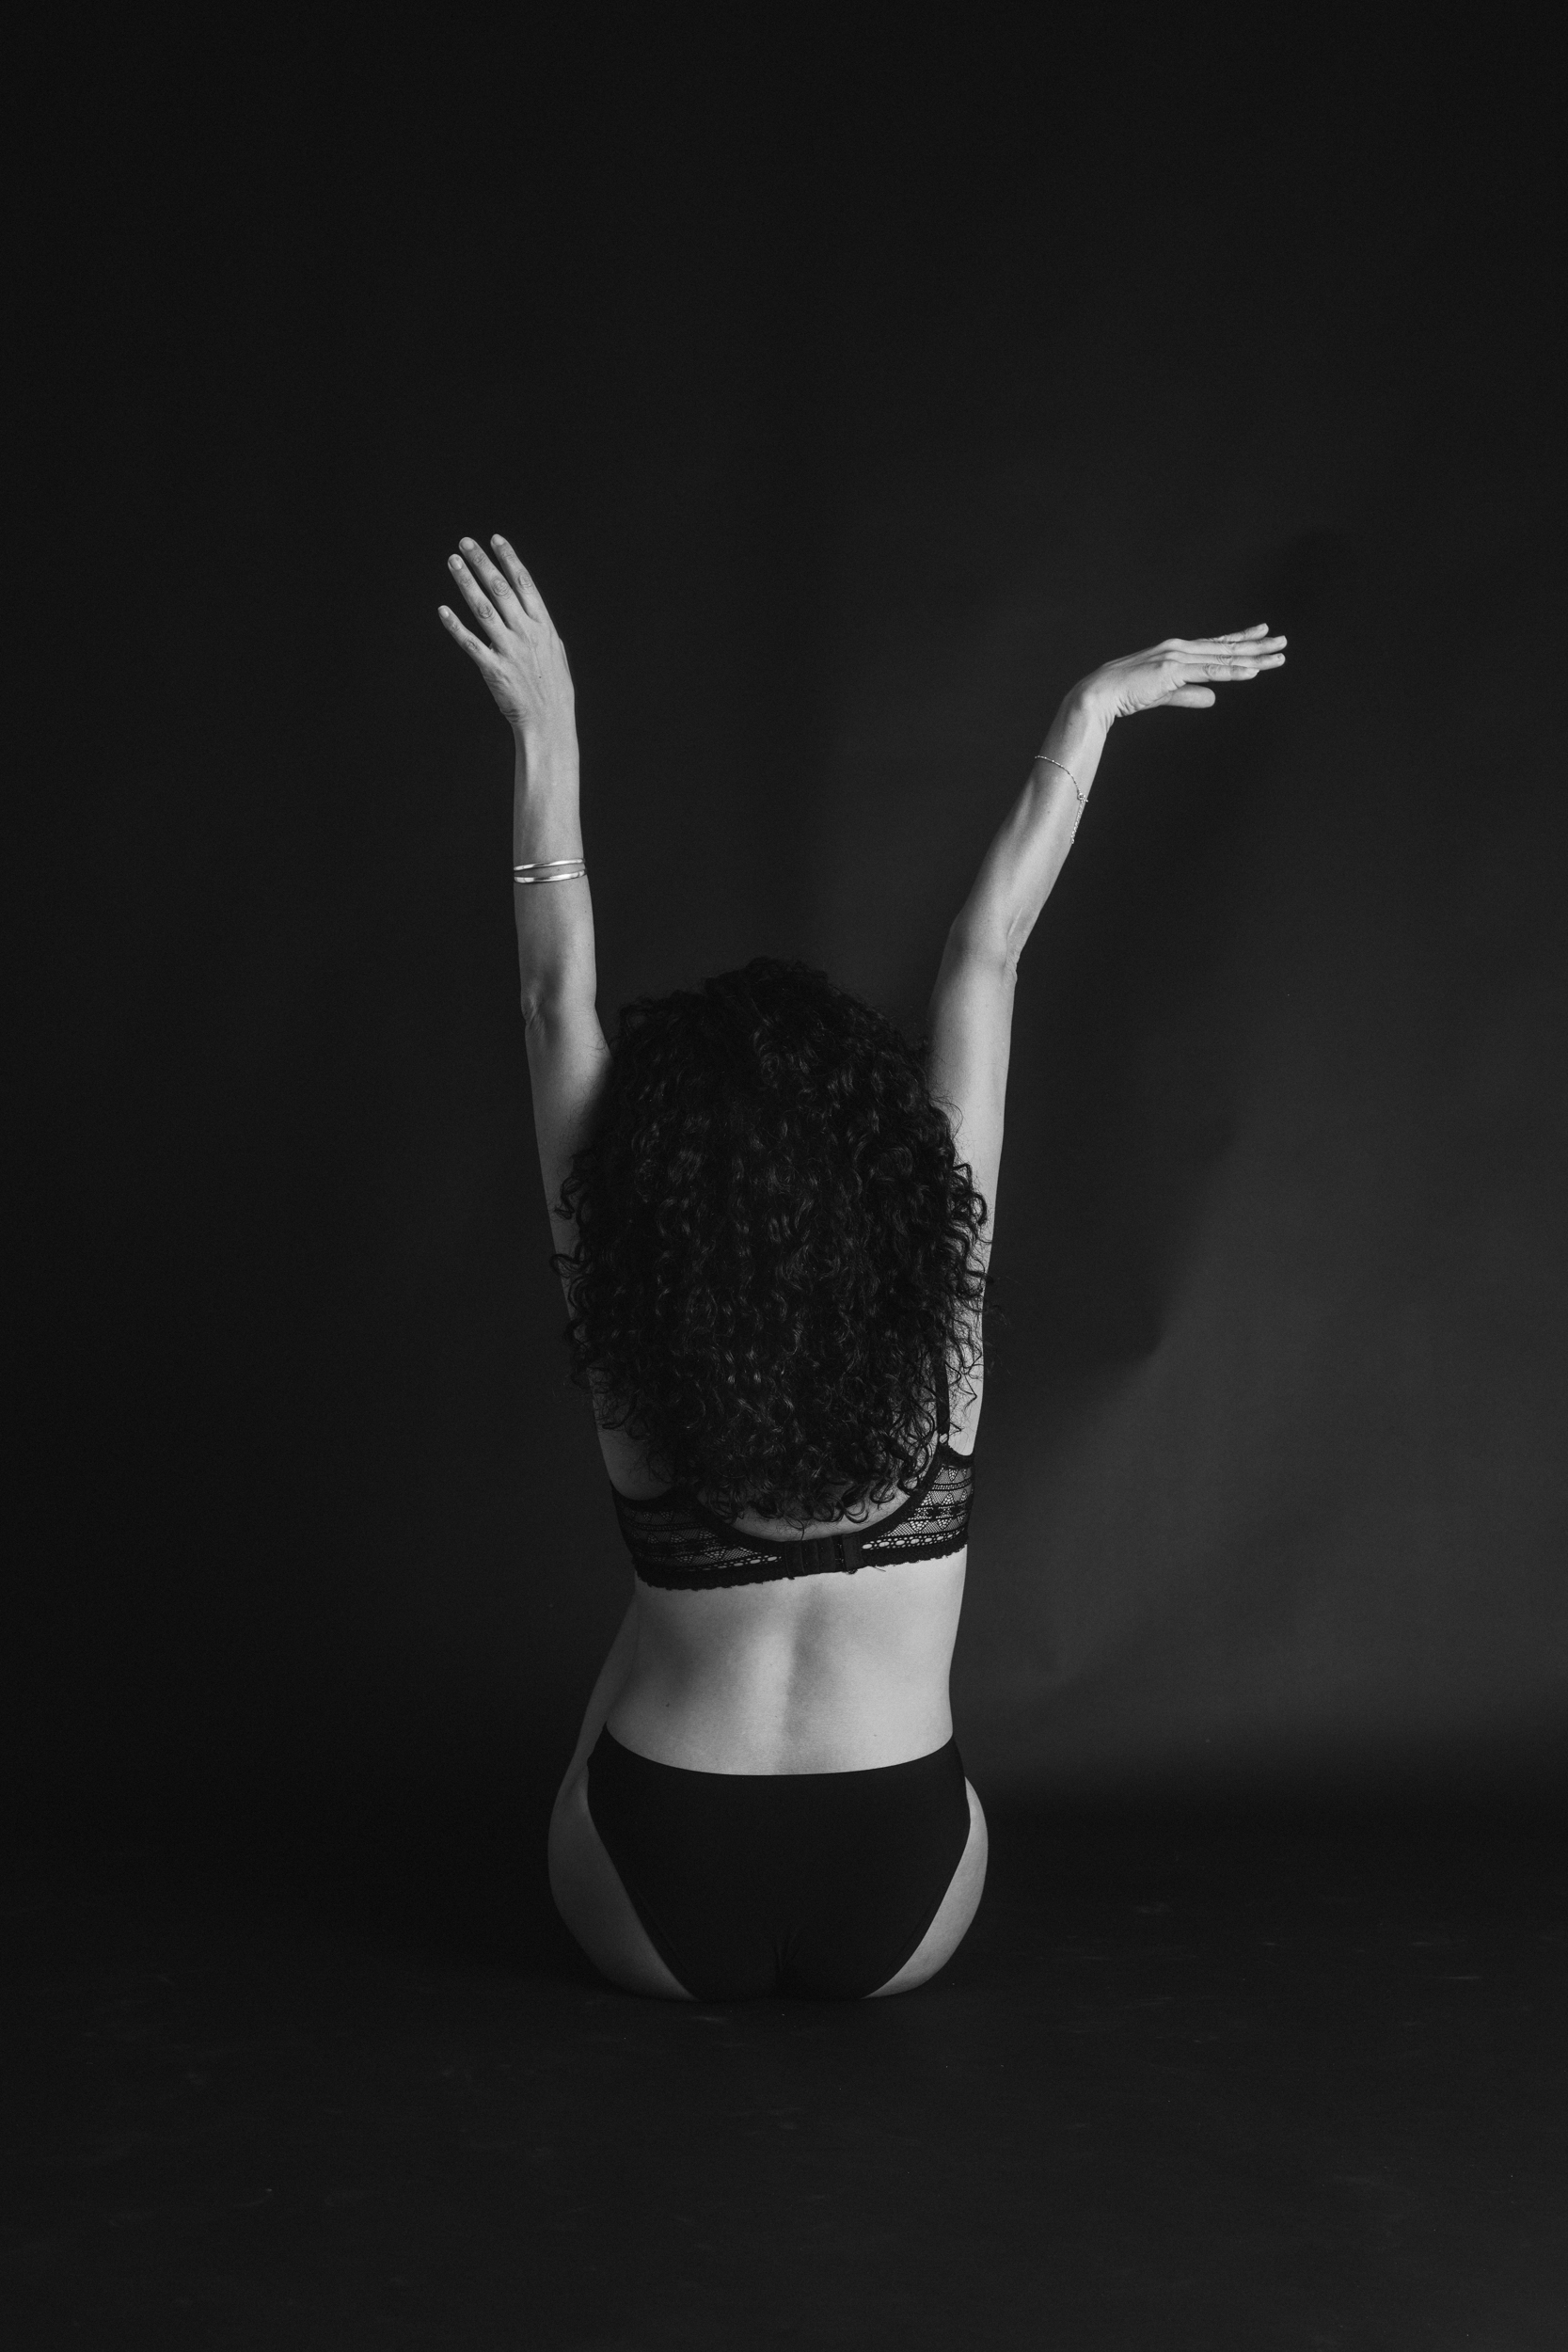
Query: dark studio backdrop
x=847 y=409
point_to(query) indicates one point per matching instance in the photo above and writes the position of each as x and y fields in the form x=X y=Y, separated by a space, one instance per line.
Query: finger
x=499 y=587
x=470 y=643
x=1192 y=698
x=1246 y=643
x=1231 y=661
x=1235 y=636
x=518 y=574
x=1211 y=662
x=479 y=603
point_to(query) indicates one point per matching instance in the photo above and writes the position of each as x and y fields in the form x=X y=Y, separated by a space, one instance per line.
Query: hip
x=829 y=1883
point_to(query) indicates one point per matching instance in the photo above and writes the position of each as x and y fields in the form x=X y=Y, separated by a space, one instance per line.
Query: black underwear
x=821 y=1883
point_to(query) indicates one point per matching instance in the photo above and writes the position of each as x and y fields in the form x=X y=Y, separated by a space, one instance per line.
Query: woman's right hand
x=1180 y=673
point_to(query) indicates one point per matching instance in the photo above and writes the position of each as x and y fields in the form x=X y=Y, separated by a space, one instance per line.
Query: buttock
x=822 y=1884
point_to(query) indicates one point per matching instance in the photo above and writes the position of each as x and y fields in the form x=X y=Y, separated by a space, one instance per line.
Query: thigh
x=957 y=1908
x=595 y=1906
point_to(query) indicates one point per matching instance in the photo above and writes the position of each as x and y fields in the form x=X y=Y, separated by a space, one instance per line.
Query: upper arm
x=568 y=1062
x=971 y=1027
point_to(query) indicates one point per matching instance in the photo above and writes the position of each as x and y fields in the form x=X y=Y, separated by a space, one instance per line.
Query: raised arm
x=1020 y=870
x=971 y=1018
x=523 y=662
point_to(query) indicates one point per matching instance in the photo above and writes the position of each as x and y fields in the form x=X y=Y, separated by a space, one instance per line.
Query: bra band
x=924 y=1527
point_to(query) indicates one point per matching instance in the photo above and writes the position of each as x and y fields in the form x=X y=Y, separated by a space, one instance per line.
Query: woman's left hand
x=520 y=658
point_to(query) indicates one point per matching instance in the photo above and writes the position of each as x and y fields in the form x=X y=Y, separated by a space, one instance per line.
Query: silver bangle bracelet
x=570 y=869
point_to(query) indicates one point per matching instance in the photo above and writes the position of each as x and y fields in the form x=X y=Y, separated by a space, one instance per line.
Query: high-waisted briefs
x=821 y=1883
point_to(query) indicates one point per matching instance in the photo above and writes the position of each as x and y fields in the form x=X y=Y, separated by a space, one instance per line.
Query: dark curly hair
x=775 y=1240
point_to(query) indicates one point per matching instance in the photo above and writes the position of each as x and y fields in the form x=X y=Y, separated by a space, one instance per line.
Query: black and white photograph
x=790 y=1143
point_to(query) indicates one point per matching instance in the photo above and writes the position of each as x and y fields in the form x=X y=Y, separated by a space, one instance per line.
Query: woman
x=776 y=1262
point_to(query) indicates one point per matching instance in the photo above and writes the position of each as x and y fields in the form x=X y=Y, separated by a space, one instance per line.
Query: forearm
x=555 y=920
x=1020 y=870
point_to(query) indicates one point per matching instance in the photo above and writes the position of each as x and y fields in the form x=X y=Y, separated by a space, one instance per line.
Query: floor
x=1232 y=2085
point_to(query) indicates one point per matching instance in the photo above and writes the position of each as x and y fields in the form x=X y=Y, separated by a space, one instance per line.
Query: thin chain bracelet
x=1079 y=794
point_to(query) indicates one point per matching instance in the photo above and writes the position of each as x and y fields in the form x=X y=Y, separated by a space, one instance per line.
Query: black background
x=849 y=399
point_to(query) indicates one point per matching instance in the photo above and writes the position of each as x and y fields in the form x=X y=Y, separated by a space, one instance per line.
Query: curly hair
x=775 y=1239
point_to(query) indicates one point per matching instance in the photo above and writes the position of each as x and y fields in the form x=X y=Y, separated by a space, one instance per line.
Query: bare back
x=815 y=1674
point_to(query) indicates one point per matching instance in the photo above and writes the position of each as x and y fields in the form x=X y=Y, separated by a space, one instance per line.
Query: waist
x=930 y=1766
x=825 y=1675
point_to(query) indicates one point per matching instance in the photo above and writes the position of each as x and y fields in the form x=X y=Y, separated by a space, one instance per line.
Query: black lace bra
x=676 y=1543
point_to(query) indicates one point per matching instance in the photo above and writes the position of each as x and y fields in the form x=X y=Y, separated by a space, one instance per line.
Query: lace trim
x=675 y=1542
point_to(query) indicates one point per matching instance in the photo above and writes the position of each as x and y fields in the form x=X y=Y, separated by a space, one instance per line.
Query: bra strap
x=941 y=1397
